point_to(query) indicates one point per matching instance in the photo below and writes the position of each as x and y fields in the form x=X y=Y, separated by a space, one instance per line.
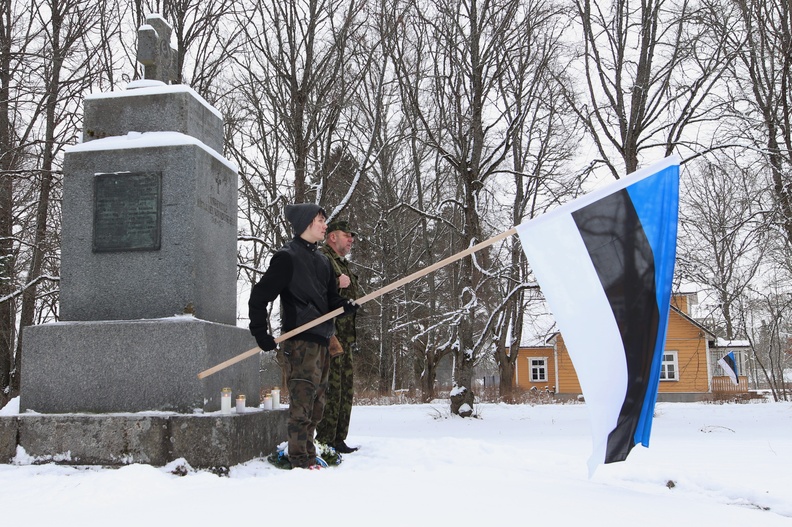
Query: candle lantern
x=225 y=401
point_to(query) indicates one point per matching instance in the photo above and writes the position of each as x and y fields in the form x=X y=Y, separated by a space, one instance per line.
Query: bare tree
x=770 y=337
x=284 y=99
x=206 y=35
x=651 y=71
x=15 y=36
x=542 y=148
x=762 y=81
x=471 y=44
x=48 y=56
x=414 y=225
x=297 y=56
x=67 y=25
x=723 y=238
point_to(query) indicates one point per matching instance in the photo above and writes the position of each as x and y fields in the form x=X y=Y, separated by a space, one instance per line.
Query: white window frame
x=674 y=363
x=541 y=369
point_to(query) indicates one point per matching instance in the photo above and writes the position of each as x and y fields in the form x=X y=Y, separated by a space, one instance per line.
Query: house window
x=538 y=368
x=669 y=369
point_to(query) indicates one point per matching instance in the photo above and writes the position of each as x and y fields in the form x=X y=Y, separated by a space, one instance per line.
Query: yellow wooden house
x=688 y=371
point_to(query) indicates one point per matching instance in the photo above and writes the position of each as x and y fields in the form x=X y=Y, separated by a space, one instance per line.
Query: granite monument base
x=204 y=441
x=134 y=366
x=111 y=268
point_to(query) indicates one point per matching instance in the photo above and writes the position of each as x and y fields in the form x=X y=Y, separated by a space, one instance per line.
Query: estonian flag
x=729 y=365
x=605 y=263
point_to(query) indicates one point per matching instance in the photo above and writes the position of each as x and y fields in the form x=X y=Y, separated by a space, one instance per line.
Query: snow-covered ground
x=708 y=464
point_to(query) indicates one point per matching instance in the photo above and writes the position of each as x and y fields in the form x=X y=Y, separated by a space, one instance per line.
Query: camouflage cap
x=340 y=225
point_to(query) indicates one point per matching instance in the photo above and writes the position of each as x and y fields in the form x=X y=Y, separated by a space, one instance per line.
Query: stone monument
x=148 y=265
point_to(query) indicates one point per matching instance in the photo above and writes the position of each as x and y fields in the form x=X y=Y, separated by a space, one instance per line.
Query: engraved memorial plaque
x=127 y=211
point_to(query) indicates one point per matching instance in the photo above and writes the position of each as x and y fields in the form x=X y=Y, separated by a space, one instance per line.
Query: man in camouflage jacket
x=334 y=426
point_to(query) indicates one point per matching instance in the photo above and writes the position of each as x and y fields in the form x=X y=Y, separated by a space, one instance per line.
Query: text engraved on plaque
x=127 y=211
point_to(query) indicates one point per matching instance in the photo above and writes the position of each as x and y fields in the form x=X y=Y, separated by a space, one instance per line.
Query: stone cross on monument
x=155 y=52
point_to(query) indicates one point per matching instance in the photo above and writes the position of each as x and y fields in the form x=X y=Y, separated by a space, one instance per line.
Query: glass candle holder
x=275 y=398
x=225 y=401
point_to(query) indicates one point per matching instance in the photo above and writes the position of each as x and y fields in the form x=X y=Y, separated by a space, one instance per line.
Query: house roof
x=723 y=343
x=710 y=334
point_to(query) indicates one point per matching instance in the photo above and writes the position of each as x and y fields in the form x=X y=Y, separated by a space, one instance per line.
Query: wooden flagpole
x=362 y=300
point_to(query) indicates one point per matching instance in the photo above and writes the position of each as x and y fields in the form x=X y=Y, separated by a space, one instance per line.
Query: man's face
x=341 y=242
x=316 y=230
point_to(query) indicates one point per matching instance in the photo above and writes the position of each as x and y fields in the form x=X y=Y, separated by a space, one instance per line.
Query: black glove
x=350 y=307
x=266 y=341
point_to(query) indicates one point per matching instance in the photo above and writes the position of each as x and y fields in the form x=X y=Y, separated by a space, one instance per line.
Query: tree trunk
x=386 y=348
x=429 y=377
x=506 y=384
x=463 y=396
x=28 y=310
x=782 y=185
x=7 y=322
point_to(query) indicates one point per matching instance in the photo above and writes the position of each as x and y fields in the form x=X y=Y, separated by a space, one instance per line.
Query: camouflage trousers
x=307 y=369
x=334 y=425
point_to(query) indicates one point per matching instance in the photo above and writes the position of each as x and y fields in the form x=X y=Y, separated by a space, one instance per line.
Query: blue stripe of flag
x=656 y=201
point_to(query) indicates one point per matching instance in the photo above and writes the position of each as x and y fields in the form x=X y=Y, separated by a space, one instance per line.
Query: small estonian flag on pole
x=730 y=367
